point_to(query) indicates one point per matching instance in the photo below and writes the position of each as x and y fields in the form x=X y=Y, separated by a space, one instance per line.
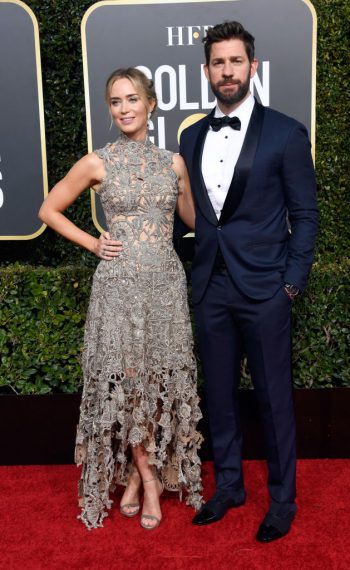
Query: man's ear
x=253 y=67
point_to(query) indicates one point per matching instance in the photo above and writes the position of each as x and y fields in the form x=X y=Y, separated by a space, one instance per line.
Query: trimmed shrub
x=42 y=310
x=321 y=332
x=42 y=313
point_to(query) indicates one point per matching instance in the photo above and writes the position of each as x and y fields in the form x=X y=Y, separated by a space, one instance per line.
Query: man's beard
x=233 y=98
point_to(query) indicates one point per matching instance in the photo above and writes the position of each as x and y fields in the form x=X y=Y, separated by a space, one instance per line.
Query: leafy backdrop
x=44 y=283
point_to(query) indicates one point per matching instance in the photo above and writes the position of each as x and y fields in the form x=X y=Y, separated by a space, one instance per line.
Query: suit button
x=219 y=227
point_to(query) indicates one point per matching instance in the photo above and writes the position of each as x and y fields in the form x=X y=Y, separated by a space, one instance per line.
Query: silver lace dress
x=138 y=363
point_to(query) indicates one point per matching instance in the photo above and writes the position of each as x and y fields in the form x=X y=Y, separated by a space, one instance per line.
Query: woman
x=139 y=406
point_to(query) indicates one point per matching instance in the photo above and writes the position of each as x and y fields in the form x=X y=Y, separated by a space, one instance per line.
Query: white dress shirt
x=220 y=154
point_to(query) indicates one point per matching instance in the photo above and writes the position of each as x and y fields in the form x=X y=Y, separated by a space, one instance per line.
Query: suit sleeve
x=181 y=147
x=300 y=194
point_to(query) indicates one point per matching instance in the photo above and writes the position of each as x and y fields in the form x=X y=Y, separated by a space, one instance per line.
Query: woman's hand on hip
x=107 y=248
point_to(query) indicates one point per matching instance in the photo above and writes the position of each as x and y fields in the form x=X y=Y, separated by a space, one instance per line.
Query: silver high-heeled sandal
x=152 y=517
x=134 y=506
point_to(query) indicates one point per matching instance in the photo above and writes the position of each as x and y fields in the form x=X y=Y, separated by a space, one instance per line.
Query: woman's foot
x=130 y=501
x=151 y=513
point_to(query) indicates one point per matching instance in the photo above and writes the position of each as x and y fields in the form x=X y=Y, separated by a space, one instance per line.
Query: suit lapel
x=202 y=198
x=244 y=164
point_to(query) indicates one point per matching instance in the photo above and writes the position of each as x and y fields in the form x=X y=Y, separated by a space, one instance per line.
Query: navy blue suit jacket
x=268 y=223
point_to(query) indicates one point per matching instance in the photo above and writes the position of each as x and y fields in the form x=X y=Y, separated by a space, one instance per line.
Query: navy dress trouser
x=229 y=323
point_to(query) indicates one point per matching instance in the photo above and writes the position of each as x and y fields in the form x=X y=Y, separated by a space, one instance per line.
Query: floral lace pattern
x=138 y=363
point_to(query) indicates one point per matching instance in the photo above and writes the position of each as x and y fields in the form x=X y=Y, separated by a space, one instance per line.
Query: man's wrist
x=291 y=290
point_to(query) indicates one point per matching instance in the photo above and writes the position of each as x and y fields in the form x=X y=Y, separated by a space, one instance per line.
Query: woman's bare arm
x=185 y=205
x=87 y=172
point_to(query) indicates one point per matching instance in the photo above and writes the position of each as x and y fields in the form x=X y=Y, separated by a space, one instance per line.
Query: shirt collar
x=243 y=111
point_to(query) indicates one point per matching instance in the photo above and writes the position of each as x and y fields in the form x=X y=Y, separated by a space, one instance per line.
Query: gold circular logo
x=190 y=120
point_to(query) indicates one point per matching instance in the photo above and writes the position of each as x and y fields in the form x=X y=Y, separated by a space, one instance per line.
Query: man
x=253 y=182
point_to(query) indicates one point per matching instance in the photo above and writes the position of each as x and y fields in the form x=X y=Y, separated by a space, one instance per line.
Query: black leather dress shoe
x=274 y=527
x=216 y=508
x=267 y=533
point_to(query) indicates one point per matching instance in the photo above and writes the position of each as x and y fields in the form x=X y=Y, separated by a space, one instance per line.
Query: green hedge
x=42 y=313
x=321 y=331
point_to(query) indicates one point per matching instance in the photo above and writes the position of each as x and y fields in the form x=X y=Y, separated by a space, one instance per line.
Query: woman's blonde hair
x=144 y=86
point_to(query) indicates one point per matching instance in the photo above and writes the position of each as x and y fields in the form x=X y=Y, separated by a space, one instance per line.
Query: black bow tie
x=217 y=122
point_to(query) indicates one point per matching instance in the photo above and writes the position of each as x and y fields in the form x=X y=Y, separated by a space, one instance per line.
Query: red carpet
x=39 y=529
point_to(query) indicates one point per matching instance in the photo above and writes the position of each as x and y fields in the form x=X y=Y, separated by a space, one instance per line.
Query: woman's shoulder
x=105 y=152
x=178 y=164
x=162 y=155
x=167 y=156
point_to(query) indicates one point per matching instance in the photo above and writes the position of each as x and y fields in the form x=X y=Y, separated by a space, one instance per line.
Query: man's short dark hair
x=228 y=31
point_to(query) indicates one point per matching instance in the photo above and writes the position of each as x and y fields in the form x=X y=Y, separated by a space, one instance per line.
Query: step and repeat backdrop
x=23 y=176
x=163 y=39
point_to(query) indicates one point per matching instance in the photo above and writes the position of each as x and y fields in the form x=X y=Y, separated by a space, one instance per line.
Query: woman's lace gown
x=138 y=363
